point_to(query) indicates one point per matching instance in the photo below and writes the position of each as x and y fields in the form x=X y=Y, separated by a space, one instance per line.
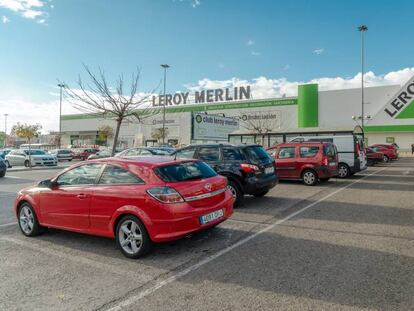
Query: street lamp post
x=61 y=86
x=5 y=130
x=165 y=66
x=362 y=29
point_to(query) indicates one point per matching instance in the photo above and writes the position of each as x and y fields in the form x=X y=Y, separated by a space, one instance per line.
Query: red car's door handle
x=82 y=196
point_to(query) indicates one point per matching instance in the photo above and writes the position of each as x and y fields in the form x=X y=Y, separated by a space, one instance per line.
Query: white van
x=351 y=154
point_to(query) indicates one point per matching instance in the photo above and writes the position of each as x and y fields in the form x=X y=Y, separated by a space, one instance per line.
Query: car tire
x=70 y=160
x=385 y=159
x=343 y=170
x=309 y=178
x=7 y=164
x=128 y=229
x=236 y=192
x=2 y=174
x=324 y=179
x=27 y=219
x=260 y=194
x=26 y=163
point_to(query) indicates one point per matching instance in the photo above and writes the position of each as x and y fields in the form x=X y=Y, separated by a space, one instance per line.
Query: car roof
x=142 y=160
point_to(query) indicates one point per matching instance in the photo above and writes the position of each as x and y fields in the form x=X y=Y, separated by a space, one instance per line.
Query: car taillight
x=249 y=168
x=165 y=194
x=357 y=149
x=325 y=160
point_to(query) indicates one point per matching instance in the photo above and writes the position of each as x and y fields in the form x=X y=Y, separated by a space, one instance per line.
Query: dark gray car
x=3 y=167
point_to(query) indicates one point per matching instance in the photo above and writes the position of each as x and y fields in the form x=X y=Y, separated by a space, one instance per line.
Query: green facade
x=308 y=105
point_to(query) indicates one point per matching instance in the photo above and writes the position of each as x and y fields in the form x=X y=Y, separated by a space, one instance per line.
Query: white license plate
x=332 y=163
x=269 y=170
x=211 y=217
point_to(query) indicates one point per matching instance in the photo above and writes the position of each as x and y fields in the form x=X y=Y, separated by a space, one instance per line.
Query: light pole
x=61 y=86
x=362 y=29
x=165 y=66
x=5 y=130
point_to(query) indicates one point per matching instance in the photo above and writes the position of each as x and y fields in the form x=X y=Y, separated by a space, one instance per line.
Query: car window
x=117 y=175
x=185 y=171
x=232 y=154
x=145 y=152
x=308 y=151
x=329 y=150
x=209 y=153
x=81 y=175
x=187 y=153
x=286 y=153
x=257 y=154
x=132 y=152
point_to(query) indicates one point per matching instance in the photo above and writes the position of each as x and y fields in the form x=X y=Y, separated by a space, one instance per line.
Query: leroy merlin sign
x=401 y=105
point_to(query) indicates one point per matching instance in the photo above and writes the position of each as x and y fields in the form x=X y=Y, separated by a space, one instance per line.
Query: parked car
x=84 y=153
x=146 y=151
x=100 y=155
x=248 y=168
x=3 y=167
x=62 y=154
x=137 y=201
x=388 y=151
x=351 y=152
x=38 y=157
x=309 y=162
x=374 y=157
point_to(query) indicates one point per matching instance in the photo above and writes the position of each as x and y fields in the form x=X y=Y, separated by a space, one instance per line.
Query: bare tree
x=100 y=99
x=258 y=124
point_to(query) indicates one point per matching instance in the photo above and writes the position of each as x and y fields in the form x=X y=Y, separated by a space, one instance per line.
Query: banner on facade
x=212 y=127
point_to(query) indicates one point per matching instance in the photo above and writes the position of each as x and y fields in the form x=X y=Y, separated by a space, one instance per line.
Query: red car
x=374 y=157
x=307 y=161
x=84 y=153
x=137 y=201
x=389 y=151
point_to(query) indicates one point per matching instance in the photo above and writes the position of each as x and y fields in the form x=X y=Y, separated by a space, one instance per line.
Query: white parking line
x=133 y=299
x=8 y=225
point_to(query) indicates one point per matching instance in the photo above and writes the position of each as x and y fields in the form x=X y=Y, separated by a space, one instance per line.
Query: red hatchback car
x=137 y=201
x=307 y=161
x=389 y=151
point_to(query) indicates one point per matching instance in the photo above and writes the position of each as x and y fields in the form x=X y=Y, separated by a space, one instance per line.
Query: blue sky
x=45 y=40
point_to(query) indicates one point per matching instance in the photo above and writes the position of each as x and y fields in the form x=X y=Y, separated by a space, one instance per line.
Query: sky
x=271 y=45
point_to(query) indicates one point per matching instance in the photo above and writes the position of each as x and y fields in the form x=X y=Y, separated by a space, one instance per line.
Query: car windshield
x=35 y=152
x=185 y=171
x=63 y=151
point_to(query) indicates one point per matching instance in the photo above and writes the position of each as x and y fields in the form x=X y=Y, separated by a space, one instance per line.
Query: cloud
x=263 y=87
x=30 y=9
x=286 y=67
x=255 y=53
x=318 y=51
x=250 y=42
x=193 y=3
x=5 y=19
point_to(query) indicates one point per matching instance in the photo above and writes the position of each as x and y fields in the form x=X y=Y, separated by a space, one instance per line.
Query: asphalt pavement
x=341 y=245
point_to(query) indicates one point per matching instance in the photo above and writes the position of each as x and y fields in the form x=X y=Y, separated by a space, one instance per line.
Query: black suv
x=248 y=168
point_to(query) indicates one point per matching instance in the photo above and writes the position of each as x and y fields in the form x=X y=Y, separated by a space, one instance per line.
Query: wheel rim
x=385 y=159
x=233 y=191
x=309 y=178
x=130 y=237
x=26 y=219
x=343 y=171
x=26 y=163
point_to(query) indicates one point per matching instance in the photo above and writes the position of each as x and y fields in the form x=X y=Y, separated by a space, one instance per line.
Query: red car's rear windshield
x=184 y=171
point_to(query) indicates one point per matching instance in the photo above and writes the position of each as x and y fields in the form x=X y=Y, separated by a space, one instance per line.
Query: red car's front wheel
x=28 y=223
x=132 y=237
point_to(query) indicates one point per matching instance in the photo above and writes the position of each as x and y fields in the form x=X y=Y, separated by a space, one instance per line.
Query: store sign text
x=399 y=101
x=205 y=96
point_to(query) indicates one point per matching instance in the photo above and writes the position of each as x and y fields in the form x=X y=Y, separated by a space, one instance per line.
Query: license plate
x=211 y=217
x=332 y=163
x=269 y=170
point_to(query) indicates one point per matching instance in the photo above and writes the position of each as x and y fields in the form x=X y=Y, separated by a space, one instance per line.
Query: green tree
x=27 y=131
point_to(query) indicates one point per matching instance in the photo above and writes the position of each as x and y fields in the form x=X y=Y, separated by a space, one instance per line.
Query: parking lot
x=340 y=245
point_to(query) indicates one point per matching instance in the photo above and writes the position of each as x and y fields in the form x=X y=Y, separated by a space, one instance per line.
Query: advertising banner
x=212 y=127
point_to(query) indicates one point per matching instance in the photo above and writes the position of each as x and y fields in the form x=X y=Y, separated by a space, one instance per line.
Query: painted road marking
x=8 y=225
x=133 y=299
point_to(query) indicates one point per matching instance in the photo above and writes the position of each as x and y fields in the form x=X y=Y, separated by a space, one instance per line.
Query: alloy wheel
x=26 y=220
x=342 y=171
x=309 y=178
x=130 y=237
x=233 y=191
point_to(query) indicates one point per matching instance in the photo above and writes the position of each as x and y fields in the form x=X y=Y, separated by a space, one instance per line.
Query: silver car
x=21 y=157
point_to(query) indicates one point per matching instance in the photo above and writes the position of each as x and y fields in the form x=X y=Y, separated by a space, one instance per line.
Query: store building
x=232 y=115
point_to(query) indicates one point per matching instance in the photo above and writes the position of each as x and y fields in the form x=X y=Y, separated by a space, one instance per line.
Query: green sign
x=390 y=140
